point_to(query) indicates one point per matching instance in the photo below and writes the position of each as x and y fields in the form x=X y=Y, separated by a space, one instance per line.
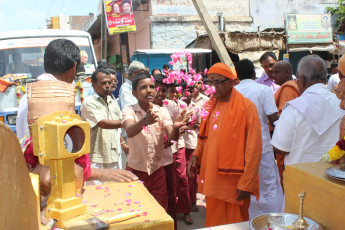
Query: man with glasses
x=267 y=61
x=228 y=150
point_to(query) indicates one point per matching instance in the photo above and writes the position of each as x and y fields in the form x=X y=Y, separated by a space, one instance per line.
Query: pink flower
x=204 y=113
x=145 y=128
x=182 y=106
x=119 y=209
x=93 y=205
x=179 y=89
x=193 y=121
x=165 y=102
x=152 y=78
x=205 y=71
x=197 y=77
x=157 y=89
x=187 y=93
x=137 y=202
x=144 y=213
x=183 y=98
x=210 y=90
x=99 y=187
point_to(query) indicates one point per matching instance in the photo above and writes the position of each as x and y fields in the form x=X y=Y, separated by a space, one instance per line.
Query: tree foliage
x=338 y=11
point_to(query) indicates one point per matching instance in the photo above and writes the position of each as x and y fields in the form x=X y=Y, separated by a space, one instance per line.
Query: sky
x=32 y=14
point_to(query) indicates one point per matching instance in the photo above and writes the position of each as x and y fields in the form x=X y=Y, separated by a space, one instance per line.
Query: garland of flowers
x=336 y=153
x=19 y=95
x=79 y=86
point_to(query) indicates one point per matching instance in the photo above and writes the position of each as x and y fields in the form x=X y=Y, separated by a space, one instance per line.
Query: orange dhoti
x=219 y=212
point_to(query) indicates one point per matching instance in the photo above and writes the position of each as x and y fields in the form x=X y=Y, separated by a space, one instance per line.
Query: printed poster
x=119 y=16
x=312 y=28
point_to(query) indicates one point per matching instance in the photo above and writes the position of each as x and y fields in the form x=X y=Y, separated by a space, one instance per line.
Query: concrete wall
x=270 y=13
x=176 y=23
x=186 y=7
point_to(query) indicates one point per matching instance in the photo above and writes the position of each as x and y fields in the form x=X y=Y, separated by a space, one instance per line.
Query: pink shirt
x=266 y=80
x=146 y=148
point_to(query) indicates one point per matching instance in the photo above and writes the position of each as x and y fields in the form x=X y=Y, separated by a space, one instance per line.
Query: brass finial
x=300 y=223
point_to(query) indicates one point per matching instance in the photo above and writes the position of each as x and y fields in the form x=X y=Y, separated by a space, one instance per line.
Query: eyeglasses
x=216 y=83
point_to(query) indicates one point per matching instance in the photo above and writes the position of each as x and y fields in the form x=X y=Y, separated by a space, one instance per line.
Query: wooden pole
x=212 y=32
x=124 y=47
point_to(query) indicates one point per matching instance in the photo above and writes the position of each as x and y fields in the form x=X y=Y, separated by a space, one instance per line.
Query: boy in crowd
x=198 y=98
x=183 y=201
x=145 y=125
x=190 y=136
x=167 y=158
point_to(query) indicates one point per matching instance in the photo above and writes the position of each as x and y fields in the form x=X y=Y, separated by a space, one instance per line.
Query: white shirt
x=263 y=98
x=305 y=134
x=22 y=127
x=333 y=81
x=126 y=97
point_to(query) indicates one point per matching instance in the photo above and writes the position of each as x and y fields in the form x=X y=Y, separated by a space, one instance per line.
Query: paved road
x=198 y=217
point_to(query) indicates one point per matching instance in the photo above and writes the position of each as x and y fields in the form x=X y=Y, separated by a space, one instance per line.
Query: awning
x=312 y=47
x=238 y=42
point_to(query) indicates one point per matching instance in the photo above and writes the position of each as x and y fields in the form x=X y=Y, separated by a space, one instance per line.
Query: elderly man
x=282 y=75
x=271 y=193
x=126 y=97
x=267 y=61
x=228 y=149
x=308 y=124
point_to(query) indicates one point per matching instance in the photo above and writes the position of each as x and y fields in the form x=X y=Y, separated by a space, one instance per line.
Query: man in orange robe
x=229 y=150
x=282 y=75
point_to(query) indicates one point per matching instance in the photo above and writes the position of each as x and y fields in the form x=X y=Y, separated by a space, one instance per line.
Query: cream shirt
x=200 y=100
x=146 y=148
x=104 y=142
x=191 y=136
x=167 y=157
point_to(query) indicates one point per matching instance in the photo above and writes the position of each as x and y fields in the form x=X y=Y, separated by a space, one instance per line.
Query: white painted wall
x=270 y=13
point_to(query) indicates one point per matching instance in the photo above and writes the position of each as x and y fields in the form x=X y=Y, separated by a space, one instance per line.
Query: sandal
x=188 y=219
x=195 y=208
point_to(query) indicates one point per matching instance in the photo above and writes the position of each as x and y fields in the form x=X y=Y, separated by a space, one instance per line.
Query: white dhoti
x=271 y=192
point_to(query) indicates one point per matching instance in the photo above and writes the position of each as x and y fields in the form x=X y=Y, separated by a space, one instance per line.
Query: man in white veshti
x=271 y=192
x=309 y=124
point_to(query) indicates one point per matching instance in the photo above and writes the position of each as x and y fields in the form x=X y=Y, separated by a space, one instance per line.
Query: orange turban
x=341 y=65
x=224 y=70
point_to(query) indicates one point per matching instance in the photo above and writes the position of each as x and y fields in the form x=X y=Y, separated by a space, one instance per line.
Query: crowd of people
x=232 y=146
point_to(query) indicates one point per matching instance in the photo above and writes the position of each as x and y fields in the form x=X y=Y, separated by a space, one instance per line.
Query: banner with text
x=303 y=28
x=119 y=16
